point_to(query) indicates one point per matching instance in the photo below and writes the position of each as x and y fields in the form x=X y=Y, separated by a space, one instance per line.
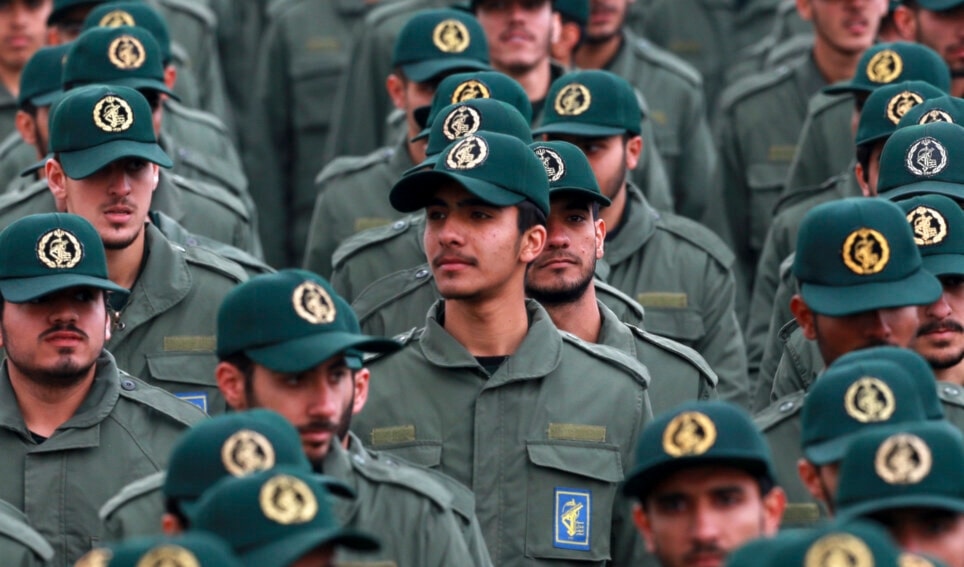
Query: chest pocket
x=189 y=376
x=314 y=84
x=571 y=493
x=765 y=181
x=680 y=324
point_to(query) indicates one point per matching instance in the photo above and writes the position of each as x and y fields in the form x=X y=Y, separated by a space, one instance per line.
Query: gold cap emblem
x=313 y=304
x=246 y=452
x=451 y=36
x=467 y=154
x=467 y=90
x=126 y=52
x=112 y=114
x=573 y=100
x=116 y=19
x=866 y=252
x=99 y=557
x=885 y=66
x=59 y=249
x=935 y=115
x=462 y=121
x=903 y=459
x=169 y=555
x=928 y=224
x=869 y=400
x=287 y=500
x=689 y=434
x=552 y=161
x=900 y=103
x=926 y=157
x=835 y=550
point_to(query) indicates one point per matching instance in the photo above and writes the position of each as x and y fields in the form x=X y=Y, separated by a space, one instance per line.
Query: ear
x=27 y=127
x=634 y=148
x=804 y=316
x=57 y=182
x=362 y=379
x=862 y=179
x=805 y=10
x=533 y=241
x=231 y=383
x=170 y=525
x=906 y=23
x=170 y=76
x=555 y=27
x=643 y=526
x=107 y=326
x=810 y=478
x=600 y=238
x=774 y=504
x=157 y=175
x=395 y=86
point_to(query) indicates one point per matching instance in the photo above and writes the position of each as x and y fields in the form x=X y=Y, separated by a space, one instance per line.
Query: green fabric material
x=922 y=159
x=591 y=103
x=433 y=42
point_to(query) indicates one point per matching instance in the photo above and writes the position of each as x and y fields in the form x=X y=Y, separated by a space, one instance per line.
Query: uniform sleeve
x=698 y=160
x=321 y=243
x=780 y=315
x=765 y=285
x=214 y=98
x=475 y=543
x=443 y=543
x=808 y=162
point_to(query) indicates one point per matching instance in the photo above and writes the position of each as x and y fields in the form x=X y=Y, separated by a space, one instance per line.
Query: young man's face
x=564 y=270
x=519 y=32
x=407 y=95
x=55 y=340
x=115 y=199
x=927 y=531
x=944 y=33
x=23 y=26
x=845 y=26
x=610 y=158
x=698 y=515
x=940 y=337
x=606 y=18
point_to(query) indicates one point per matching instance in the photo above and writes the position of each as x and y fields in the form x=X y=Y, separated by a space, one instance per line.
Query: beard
x=66 y=371
x=565 y=292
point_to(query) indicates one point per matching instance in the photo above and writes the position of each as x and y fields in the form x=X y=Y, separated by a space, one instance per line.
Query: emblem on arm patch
x=467 y=90
x=866 y=252
x=689 y=434
x=573 y=513
x=926 y=157
x=869 y=400
x=839 y=549
x=899 y=104
x=573 y=100
x=169 y=556
x=451 y=36
x=885 y=66
x=903 y=459
x=126 y=52
x=552 y=161
x=59 y=249
x=929 y=226
x=313 y=304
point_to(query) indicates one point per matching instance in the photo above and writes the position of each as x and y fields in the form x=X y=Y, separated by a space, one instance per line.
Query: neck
x=613 y=214
x=834 y=65
x=954 y=374
x=580 y=317
x=598 y=55
x=535 y=80
x=124 y=264
x=490 y=327
x=10 y=78
x=45 y=408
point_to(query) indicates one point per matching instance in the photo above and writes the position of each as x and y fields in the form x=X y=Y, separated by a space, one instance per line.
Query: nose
x=940 y=309
x=557 y=236
x=324 y=401
x=448 y=231
x=120 y=181
x=705 y=525
x=62 y=312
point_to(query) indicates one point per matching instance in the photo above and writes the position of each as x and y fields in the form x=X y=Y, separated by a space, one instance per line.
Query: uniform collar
x=614 y=333
x=636 y=228
x=338 y=465
x=167 y=197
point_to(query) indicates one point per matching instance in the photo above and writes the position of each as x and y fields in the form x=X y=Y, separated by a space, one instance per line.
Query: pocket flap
x=680 y=324
x=186 y=368
x=602 y=462
x=424 y=453
x=766 y=176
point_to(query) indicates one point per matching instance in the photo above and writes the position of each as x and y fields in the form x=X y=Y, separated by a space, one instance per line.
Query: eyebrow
x=469 y=202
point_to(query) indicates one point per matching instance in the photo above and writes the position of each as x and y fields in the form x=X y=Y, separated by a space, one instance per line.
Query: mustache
x=319 y=427
x=704 y=549
x=63 y=328
x=439 y=259
x=549 y=258
x=940 y=326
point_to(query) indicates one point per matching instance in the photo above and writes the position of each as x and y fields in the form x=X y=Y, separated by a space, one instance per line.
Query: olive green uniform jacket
x=543 y=447
x=241 y=25
x=8 y=112
x=301 y=60
x=789 y=37
x=21 y=545
x=123 y=430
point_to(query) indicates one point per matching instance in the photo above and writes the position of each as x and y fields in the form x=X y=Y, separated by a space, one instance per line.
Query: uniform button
x=421 y=274
x=121 y=325
x=359 y=459
x=786 y=406
x=128 y=385
x=951 y=391
x=399 y=225
x=192 y=241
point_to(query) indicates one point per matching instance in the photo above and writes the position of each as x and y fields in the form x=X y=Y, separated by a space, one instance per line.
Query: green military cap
x=939 y=5
x=127 y=56
x=886 y=106
x=497 y=168
x=927 y=158
x=591 y=103
x=911 y=465
x=61 y=7
x=461 y=87
x=850 y=397
x=858 y=254
x=93 y=126
x=698 y=433
x=946 y=108
x=573 y=10
x=291 y=321
x=916 y=367
x=41 y=254
x=885 y=63
x=759 y=552
x=569 y=171
x=140 y=14
x=839 y=543
x=434 y=42
x=273 y=518
x=938 y=225
x=190 y=549
x=40 y=78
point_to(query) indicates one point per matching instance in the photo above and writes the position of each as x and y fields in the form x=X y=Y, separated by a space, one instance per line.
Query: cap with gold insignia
x=911 y=465
x=291 y=321
x=852 y=543
x=190 y=549
x=273 y=518
x=93 y=126
x=140 y=14
x=40 y=78
x=434 y=42
x=41 y=254
x=61 y=8
x=127 y=56
x=568 y=171
x=938 y=225
x=698 y=433
x=858 y=254
x=915 y=366
x=573 y=10
x=885 y=107
x=886 y=63
x=941 y=109
x=497 y=168
x=462 y=87
x=591 y=103
x=759 y=552
x=920 y=159
x=850 y=397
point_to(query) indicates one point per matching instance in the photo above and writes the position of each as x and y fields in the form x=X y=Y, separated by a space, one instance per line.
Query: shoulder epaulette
x=821 y=102
x=786 y=266
x=390 y=288
x=667 y=60
x=697 y=235
x=276 y=7
x=196 y=116
x=610 y=356
x=385 y=11
x=136 y=489
x=680 y=350
x=788 y=49
x=410 y=336
x=357 y=242
x=750 y=85
x=195 y=9
x=161 y=401
x=350 y=164
x=213 y=192
x=462 y=498
x=779 y=411
x=14 y=525
x=8 y=199
x=385 y=469
x=199 y=256
x=950 y=393
x=801 y=194
x=628 y=303
x=10 y=143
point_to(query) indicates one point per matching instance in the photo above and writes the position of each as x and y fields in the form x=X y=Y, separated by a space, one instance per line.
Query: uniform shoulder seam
x=366 y=238
x=668 y=61
x=196 y=9
x=611 y=357
x=697 y=235
x=182 y=412
x=753 y=84
x=344 y=165
x=680 y=350
x=779 y=411
x=132 y=490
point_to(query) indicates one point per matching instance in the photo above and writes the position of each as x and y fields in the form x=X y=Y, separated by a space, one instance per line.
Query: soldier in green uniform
x=760 y=119
x=686 y=460
x=241 y=26
x=63 y=391
x=20 y=544
x=306 y=364
x=652 y=257
x=673 y=91
x=488 y=354
x=22 y=25
x=196 y=548
x=105 y=169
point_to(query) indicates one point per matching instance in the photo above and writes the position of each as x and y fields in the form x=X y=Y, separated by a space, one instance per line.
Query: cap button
x=421 y=274
x=786 y=406
x=399 y=225
x=128 y=385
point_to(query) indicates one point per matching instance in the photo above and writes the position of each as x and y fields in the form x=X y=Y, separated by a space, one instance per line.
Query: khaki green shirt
x=545 y=449
x=21 y=545
x=123 y=430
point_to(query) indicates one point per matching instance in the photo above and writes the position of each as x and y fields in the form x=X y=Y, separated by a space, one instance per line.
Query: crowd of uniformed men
x=670 y=283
